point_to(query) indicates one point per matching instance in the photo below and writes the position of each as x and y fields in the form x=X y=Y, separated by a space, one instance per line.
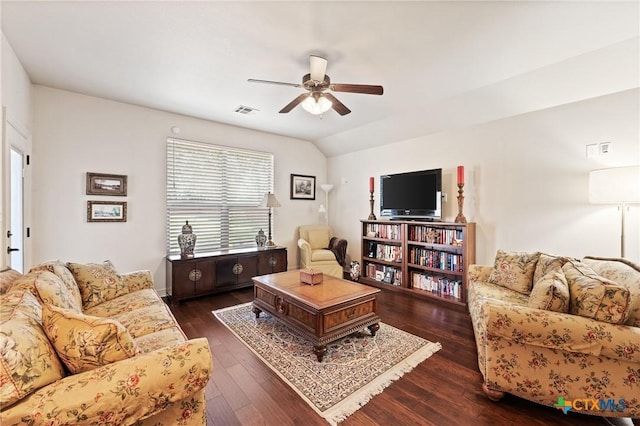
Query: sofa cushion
x=547 y=263
x=596 y=297
x=27 y=359
x=147 y=320
x=127 y=303
x=48 y=288
x=84 y=342
x=623 y=272
x=551 y=291
x=7 y=277
x=98 y=282
x=60 y=269
x=514 y=270
x=319 y=238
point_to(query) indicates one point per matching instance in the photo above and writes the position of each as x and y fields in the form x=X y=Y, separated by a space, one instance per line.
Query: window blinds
x=218 y=190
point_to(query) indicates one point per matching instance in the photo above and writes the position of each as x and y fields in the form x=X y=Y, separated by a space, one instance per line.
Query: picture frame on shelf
x=106 y=184
x=303 y=187
x=106 y=211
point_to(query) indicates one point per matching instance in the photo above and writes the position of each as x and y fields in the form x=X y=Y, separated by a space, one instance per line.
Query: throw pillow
x=546 y=264
x=596 y=297
x=98 y=283
x=514 y=270
x=48 y=288
x=27 y=360
x=84 y=342
x=60 y=269
x=319 y=239
x=551 y=291
x=7 y=277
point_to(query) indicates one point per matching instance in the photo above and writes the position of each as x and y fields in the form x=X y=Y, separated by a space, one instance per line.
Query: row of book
x=387 y=274
x=385 y=252
x=428 y=234
x=435 y=259
x=381 y=230
x=437 y=285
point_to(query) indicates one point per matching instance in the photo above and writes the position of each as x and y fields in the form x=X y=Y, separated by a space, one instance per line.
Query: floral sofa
x=82 y=344
x=559 y=331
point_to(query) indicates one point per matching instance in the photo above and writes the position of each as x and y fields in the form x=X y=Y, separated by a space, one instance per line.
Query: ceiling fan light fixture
x=316 y=105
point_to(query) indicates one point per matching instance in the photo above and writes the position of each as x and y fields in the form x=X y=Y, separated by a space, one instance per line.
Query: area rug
x=354 y=369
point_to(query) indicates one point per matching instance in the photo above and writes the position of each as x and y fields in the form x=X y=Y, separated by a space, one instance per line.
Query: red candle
x=371 y=184
x=460 y=175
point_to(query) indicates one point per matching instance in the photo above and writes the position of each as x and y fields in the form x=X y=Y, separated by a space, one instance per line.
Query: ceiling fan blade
x=338 y=106
x=318 y=67
x=357 y=88
x=294 y=103
x=253 y=80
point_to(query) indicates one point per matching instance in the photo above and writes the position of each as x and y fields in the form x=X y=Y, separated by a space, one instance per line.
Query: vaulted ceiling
x=442 y=64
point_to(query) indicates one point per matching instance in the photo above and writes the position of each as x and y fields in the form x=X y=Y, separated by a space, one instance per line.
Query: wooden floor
x=443 y=390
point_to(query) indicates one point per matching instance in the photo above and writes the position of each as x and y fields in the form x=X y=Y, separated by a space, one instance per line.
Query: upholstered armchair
x=320 y=250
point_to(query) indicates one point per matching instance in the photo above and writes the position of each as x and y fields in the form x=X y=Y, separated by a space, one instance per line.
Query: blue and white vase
x=187 y=240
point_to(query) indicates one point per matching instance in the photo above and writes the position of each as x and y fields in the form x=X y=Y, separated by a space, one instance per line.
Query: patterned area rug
x=354 y=369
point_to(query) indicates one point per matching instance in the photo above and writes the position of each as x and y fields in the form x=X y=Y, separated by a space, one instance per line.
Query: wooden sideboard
x=218 y=271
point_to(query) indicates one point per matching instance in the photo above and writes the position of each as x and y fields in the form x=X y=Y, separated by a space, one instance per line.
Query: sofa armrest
x=138 y=280
x=305 y=251
x=479 y=272
x=525 y=325
x=122 y=392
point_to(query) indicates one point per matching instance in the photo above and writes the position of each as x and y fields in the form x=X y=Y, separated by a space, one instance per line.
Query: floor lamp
x=326 y=187
x=269 y=201
x=620 y=185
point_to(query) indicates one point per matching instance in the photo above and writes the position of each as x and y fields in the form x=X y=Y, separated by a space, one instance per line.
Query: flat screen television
x=412 y=196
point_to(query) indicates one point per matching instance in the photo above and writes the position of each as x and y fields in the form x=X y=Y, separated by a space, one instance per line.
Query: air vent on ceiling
x=246 y=110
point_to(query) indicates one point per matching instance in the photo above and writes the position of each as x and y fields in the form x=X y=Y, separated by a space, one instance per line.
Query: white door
x=15 y=234
x=14 y=203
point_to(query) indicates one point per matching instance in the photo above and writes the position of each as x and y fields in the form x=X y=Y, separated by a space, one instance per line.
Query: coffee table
x=323 y=312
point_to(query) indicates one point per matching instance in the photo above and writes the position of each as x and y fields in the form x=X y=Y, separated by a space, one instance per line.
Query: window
x=218 y=190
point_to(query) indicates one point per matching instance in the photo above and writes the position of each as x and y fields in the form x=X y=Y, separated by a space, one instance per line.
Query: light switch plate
x=592 y=150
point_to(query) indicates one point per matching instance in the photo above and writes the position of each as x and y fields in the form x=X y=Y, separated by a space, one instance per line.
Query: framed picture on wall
x=104 y=184
x=106 y=211
x=303 y=187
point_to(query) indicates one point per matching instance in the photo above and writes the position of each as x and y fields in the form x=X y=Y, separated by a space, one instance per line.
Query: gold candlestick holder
x=460 y=218
x=371 y=215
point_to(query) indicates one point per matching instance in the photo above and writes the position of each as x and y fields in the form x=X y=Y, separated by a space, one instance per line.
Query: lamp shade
x=269 y=200
x=615 y=186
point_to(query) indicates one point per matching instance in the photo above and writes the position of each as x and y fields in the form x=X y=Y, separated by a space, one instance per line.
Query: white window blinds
x=218 y=190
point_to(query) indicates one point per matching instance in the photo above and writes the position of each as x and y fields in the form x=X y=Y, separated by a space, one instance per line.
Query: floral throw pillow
x=27 y=360
x=60 y=269
x=98 y=282
x=593 y=296
x=551 y=291
x=48 y=288
x=84 y=342
x=514 y=270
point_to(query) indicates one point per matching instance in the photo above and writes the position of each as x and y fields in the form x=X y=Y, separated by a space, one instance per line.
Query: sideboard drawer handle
x=195 y=274
x=237 y=269
x=273 y=261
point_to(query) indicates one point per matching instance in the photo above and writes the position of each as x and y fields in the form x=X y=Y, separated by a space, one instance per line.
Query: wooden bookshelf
x=425 y=259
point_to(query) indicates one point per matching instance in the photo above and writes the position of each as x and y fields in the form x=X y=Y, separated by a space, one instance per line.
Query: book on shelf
x=436 y=259
x=382 y=230
x=436 y=284
x=384 y=273
x=389 y=253
x=429 y=234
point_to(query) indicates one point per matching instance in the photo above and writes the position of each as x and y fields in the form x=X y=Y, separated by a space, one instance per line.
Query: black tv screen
x=412 y=195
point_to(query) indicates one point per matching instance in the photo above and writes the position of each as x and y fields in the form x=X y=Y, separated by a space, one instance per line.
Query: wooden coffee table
x=323 y=312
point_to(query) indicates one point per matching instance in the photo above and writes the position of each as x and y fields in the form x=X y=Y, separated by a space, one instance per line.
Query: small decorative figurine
x=354 y=271
x=261 y=238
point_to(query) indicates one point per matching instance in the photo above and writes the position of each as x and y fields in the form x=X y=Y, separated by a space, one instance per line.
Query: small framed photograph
x=106 y=211
x=303 y=187
x=103 y=184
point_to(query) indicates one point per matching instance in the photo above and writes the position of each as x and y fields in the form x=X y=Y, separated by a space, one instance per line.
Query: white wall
x=75 y=134
x=526 y=179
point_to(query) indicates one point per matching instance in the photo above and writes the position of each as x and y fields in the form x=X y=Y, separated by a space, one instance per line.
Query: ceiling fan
x=318 y=100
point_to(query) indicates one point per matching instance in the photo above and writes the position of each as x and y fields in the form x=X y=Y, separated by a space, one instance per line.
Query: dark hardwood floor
x=443 y=390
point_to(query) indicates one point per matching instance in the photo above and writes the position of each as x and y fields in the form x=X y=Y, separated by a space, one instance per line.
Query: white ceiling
x=442 y=64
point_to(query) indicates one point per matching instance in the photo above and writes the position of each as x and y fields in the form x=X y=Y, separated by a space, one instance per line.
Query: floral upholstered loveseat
x=559 y=331
x=82 y=344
